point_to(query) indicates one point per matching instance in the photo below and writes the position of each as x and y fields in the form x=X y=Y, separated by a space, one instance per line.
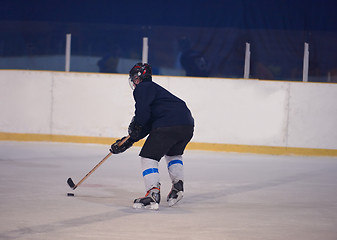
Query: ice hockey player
x=169 y=125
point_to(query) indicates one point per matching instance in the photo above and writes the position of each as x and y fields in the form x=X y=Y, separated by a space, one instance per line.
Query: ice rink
x=227 y=196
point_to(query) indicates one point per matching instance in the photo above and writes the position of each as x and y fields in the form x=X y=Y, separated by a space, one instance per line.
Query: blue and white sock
x=175 y=168
x=150 y=173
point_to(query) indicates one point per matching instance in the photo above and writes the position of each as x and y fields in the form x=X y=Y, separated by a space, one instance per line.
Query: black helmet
x=141 y=72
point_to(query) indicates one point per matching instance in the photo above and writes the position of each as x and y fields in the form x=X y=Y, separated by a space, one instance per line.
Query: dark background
x=217 y=30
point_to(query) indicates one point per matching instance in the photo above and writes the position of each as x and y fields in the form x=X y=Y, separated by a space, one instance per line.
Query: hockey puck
x=70 y=194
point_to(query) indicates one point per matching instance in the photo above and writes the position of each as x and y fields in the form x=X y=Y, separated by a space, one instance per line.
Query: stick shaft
x=92 y=170
x=99 y=164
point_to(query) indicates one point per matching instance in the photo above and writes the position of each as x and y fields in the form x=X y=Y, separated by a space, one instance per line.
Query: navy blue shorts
x=170 y=141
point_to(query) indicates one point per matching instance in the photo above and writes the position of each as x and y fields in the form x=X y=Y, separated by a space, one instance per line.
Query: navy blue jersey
x=157 y=107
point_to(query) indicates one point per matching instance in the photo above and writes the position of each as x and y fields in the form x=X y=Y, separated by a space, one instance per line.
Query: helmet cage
x=134 y=80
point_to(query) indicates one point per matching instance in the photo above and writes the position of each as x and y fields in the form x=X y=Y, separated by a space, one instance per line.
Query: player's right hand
x=117 y=147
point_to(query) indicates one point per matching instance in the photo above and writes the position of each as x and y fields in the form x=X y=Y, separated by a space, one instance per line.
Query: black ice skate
x=176 y=193
x=150 y=201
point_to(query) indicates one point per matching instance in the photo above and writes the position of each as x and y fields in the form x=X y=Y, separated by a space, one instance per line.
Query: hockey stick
x=71 y=182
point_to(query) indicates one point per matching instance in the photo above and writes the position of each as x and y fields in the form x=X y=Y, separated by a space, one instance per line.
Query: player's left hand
x=135 y=130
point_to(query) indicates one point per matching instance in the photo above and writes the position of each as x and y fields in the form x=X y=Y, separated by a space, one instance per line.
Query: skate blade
x=151 y=206
x=173 y=201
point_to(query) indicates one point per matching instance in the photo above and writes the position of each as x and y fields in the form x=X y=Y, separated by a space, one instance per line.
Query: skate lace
x=148 y=192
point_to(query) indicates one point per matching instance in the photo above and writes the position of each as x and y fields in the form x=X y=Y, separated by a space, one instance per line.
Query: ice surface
x=227 y=196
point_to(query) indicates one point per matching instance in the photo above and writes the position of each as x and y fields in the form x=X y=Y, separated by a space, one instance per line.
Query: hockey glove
x=117 y=148
x=135 y=130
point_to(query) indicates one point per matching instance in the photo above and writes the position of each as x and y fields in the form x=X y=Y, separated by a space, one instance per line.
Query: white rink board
x=226 y=111
x=313 y=115
x=91 y=105
x=25 y=101
x=238 y=111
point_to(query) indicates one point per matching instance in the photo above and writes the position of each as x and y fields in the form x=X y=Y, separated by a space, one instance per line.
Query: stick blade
x=71 y=183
